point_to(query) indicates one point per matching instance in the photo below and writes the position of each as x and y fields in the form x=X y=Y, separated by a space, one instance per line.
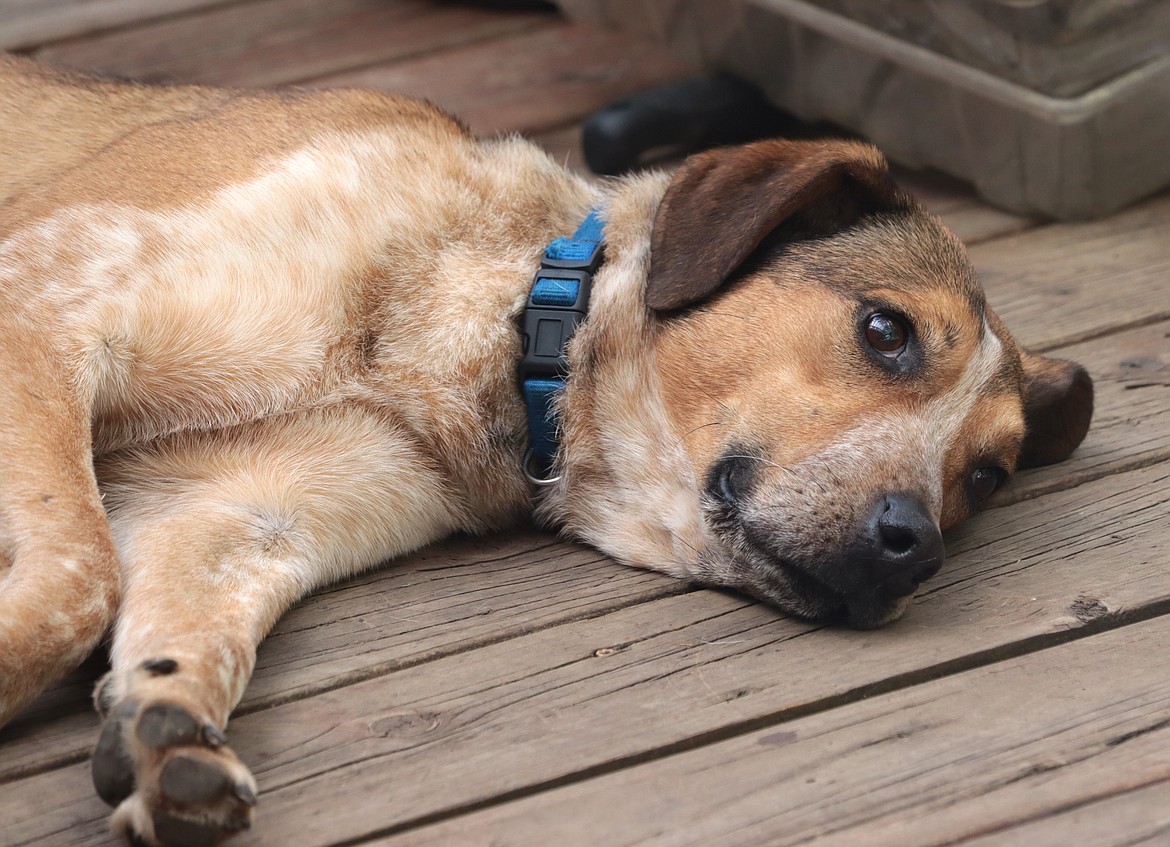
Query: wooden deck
x=521 y=690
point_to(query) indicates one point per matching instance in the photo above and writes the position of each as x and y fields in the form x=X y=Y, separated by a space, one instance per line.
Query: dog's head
x=833 y=377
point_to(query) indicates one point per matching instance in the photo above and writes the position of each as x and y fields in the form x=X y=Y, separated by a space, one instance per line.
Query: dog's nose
x=900 y=545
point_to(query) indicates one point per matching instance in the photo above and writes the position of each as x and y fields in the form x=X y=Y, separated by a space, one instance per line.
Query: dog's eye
x=886 y=334
x=984 y=481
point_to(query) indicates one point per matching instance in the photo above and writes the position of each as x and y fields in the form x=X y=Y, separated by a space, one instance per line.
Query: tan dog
x=286 y=325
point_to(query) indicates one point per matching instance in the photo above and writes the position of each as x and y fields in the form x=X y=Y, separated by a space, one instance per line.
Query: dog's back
x=37 y=102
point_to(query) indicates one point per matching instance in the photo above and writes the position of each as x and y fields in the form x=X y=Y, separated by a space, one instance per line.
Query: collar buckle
x=556 y=306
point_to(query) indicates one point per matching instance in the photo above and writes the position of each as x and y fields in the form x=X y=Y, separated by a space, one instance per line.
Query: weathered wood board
x=283 y=42
x=1066 y=282
x=553 y=75
x=953 y=758
x=27 y=23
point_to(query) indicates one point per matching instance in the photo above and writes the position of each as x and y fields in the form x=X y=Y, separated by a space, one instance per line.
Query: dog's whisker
x=691 y=432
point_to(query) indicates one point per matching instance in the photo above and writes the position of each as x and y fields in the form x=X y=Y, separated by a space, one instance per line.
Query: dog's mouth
x=798 y=590
x=748 y=563
x=817 y=579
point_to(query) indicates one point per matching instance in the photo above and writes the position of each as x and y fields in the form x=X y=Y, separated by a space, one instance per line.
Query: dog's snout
x=901 y=545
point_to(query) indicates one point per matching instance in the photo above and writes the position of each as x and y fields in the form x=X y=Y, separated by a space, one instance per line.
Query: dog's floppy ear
x=1058 y=405
x=723 y=203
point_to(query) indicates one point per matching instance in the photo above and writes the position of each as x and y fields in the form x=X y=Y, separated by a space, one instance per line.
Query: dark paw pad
x=167 y=725
x=111 y=767
x=189 y=781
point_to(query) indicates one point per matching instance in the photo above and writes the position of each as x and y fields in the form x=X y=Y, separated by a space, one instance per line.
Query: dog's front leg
x=58 y=566
x=219 y=533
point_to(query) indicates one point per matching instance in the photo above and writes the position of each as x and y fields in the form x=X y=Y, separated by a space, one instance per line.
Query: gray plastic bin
x=1056 y=107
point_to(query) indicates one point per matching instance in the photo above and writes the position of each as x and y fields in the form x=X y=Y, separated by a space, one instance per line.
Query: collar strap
x=557 y=303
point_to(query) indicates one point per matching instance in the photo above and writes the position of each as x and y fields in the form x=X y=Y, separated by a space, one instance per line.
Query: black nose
x=899 y=545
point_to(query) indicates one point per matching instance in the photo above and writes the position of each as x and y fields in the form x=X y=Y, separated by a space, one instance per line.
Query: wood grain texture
x=1067 y=282
x=550 y=77
x=281 y=42
x=652 y=679
x=943 y=761
x=1137 y=818
x=25 y=23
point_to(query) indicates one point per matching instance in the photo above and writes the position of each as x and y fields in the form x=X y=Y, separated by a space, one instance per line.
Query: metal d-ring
x=536 y=480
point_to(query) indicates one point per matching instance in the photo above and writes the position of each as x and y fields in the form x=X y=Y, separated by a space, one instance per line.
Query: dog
x=255 y=342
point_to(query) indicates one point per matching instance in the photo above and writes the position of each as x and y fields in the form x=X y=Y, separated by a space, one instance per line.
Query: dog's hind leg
x=219 y=533
x=60 y=590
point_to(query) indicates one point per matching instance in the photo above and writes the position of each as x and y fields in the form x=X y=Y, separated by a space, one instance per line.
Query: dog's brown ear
x=723 y=203
x=1058 y=405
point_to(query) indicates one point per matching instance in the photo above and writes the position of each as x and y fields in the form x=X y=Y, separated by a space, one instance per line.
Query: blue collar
x=557 y=304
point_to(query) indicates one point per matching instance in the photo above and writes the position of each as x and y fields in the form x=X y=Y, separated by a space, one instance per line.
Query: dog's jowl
x=251 y=343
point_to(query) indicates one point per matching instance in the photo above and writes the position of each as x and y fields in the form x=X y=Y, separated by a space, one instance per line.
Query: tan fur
x=256 y=342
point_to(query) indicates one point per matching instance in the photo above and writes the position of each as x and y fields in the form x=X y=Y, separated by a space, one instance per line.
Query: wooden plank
x=276 y=42
x=450 y=597
x=66 y=815
x=551 y=76
x=1067 y=282
x=943 y=761
x=27 y=23
x=652 y=679
x=463 y=593
x=1138 y=818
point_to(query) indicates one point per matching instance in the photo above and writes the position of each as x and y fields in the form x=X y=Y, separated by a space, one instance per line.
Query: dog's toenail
x=213 y=736
x=160 y=667
x=244 y=793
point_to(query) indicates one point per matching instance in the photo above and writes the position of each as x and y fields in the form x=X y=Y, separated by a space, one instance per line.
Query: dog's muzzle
x=898 y=547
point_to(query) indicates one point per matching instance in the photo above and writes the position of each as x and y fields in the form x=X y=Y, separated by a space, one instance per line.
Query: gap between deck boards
x=880 y=772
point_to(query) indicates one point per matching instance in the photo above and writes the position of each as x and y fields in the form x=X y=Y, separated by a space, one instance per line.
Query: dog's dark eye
x=886 y=334
x=984 y=481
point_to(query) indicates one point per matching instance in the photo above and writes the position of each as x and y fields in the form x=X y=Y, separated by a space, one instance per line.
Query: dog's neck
x=557 y=304
x=618 y=448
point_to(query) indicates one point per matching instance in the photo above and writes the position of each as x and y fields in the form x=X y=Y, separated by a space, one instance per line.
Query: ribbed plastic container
x=1052 y=107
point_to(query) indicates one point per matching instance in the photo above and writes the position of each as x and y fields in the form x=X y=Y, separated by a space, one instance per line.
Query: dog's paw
x=170 y=776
